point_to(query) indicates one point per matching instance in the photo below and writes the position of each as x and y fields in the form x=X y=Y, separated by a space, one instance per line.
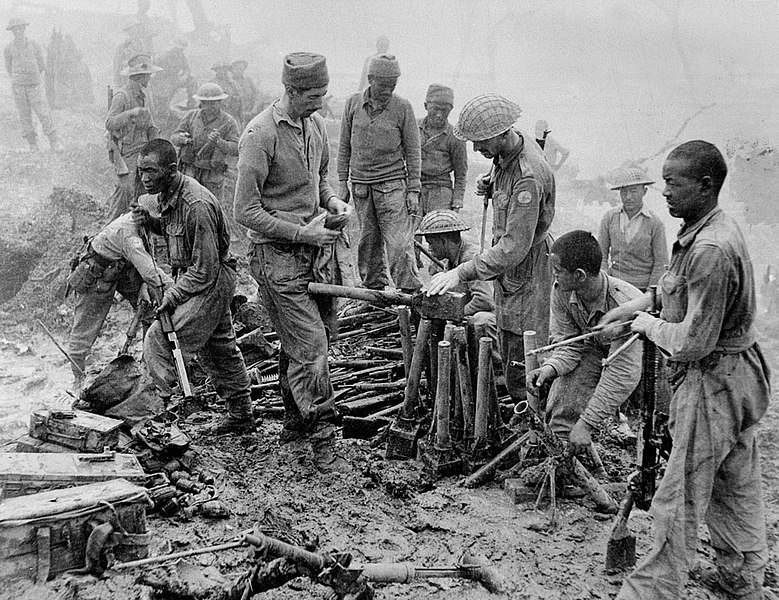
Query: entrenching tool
x=166 y=324
x=486 y=205
x=446 y=307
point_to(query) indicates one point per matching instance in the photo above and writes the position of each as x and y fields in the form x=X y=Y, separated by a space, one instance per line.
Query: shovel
x=621 y=547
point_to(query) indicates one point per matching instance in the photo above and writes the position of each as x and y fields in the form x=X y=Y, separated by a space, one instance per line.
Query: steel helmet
x=486 y=116
x=629 y=176
x=17 y=22
x=441 y=221
x=209 y=92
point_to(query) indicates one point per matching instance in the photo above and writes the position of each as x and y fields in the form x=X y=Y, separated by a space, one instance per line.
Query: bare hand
x=642 y=323
x=140 y=215
x=538 y=377
x=482 y=184
x=167 y=305
x=184 y=139
x=214 y=136
x=338 y=207
x=580 y=437
x=343 y=191
x=140 y=111
x=443 y=282
x=316 y=234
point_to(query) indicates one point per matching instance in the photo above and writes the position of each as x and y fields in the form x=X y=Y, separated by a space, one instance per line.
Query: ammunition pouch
x=94 y=271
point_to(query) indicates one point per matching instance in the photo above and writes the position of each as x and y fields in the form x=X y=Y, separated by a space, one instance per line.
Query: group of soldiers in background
x=402 y=177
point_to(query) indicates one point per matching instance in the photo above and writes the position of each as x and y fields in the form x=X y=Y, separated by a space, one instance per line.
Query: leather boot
x=323 y=446
x=239 y=418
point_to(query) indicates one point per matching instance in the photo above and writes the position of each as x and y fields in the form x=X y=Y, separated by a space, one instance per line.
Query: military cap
x=140 y=64
x=440 y=93
x=209 y=92
x=629 y=176
x=17 y=22
x=305 y=70
x=384 y=65
x=441 y=221
x=486 y=116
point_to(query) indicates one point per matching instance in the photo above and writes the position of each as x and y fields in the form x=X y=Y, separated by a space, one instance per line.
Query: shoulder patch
x=524 y=197
x=525 y=192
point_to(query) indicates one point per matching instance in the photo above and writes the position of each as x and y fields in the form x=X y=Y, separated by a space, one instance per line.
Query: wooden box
x=26 y=473
x=83 y=431
x=46 y=534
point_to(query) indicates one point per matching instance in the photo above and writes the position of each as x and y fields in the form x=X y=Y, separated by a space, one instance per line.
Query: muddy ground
x=382 y=511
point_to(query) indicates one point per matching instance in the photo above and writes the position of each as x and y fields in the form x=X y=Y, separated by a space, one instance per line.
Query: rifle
x=209 y=146
x=112 y=144
x=654 y=445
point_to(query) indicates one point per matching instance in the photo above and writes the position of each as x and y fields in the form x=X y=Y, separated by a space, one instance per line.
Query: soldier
x=132 y=45
x=175 y=75
x=247 y=91
x=117 y=259
x=379 y=150
x=283 y=197
x=584 y=393
x=721 y=389
x=129 y=126
x=24 y=63
x=441 y=229
x=198 y=239
x=443 y=155
x=206 y=136
x=224 y=78
x=632 y=237
x=523 y=195
x=556 y=154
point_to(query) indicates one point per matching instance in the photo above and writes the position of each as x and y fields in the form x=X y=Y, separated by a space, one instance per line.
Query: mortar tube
x=464 y=379
x=483 y=391
x=443 y=397
x=418 y=358
x=404 y=323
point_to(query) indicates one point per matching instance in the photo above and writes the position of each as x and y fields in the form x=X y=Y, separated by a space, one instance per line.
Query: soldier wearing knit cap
x=379 y=151
x=283 y=197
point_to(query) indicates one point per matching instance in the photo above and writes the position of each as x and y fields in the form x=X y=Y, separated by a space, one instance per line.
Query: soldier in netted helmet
x=523 y=193
x=205 y=137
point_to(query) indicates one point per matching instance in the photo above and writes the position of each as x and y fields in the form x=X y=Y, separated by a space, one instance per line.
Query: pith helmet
x=17 y=22
x=486 y=116
x=441 y=221
x=140 y=64
x=209 y=92
x=629 y=176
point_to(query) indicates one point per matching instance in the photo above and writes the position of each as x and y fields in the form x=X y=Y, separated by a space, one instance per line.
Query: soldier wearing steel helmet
x=441 y=229
x=632 y=237
x=24 y=63
x=205 y=137
x=129 y=126
x=224 y=77
x=523 y=195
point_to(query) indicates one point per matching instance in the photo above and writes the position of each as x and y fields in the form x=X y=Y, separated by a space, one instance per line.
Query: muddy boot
x=294 y=429
x=239 y=418
x=732 y=585
x=323 y=446
x=32 y=142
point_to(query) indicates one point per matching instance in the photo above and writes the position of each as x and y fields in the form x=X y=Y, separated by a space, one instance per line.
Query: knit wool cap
x=305 y=71
x=440 y=94
x=384 y=65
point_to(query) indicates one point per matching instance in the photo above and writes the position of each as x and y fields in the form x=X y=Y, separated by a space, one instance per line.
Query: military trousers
x=204 y=327
x=712 y=475
x=128 y=188
x=283 y=272
x=386 y=236
x=30 y=99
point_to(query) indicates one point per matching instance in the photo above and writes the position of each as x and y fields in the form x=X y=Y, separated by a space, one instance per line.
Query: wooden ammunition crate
x=27 y=443
x=26 y=473
x=83 y=431
x=46 y=534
